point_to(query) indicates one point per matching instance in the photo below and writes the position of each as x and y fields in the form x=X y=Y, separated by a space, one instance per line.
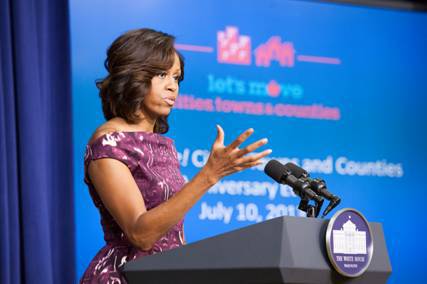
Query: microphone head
x=275 y=170
x=296 y=171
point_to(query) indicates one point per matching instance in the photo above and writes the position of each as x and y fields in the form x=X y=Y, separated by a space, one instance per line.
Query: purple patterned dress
x=153 y=162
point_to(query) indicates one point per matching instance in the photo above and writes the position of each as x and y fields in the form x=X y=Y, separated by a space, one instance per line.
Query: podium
x=280 y=250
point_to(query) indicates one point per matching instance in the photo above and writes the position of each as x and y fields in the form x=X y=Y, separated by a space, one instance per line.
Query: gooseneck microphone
x=282 y=174
x=317 y=185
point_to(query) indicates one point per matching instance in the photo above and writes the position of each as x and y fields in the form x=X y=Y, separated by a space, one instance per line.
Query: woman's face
x=163 y=93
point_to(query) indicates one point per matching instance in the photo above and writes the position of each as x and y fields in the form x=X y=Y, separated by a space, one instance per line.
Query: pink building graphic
x=233 y=48
x=274 y=49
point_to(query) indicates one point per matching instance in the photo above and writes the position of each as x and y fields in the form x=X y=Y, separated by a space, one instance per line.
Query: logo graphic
x=236 y=86
x=349 y=242
x=272 y=51
x=233 y=48
x=273 y=89
x=275 y=50
x=236 y=49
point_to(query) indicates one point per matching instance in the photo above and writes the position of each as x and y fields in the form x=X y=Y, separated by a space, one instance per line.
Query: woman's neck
x=145 y=124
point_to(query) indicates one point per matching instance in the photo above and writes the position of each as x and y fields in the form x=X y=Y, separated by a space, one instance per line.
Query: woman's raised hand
x=225 y=160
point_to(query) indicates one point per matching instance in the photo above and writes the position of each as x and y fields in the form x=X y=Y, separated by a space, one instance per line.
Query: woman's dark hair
x=133 y=59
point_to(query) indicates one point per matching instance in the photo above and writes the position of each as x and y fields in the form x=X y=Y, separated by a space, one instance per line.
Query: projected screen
x=339 y=90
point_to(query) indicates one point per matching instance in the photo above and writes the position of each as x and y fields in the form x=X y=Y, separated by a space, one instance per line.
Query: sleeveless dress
x=153 y=162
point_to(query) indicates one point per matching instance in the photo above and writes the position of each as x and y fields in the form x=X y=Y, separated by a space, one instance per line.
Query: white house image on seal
x=349 y=240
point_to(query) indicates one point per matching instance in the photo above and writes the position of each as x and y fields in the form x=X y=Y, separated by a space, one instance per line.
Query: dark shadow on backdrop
x=412 y=5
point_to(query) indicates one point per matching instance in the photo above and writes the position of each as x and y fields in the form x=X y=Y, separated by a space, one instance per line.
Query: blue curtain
x=36 y=190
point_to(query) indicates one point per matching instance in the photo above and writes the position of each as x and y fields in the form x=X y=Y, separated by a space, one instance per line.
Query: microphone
x=317 y=185
x=283 y=174
x=334 y=203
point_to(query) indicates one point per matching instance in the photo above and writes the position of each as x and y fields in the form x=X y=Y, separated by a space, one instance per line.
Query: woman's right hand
x=225 y=160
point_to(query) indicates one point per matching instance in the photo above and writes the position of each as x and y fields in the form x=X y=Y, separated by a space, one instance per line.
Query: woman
x=132 y=171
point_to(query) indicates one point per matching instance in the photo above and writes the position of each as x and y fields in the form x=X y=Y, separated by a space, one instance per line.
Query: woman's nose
x=172 y=84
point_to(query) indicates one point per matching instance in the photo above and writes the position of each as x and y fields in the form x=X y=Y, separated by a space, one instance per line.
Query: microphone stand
x=303 y=190
x=312 y=211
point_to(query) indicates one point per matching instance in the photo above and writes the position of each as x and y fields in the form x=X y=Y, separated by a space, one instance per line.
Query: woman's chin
x=165 y=111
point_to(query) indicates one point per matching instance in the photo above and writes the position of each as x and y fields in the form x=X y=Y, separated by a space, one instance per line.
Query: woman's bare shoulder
x=108 y=127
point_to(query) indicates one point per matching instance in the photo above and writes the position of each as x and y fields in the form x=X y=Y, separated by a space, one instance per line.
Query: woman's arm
x=121 y=196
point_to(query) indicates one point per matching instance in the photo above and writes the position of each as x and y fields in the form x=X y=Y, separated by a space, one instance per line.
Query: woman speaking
x=132 y=170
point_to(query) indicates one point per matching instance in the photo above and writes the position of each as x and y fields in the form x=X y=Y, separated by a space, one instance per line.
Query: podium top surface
x=283 y=250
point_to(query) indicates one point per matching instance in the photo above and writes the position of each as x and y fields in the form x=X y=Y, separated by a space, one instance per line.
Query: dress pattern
x=153 y=162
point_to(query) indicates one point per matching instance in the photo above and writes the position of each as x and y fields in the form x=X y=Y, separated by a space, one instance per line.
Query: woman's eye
x=162 y=75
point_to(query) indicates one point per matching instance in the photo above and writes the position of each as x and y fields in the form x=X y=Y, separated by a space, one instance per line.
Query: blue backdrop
x=337 y=89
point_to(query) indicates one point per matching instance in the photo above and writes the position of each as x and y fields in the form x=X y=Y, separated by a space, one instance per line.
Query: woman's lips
x=169 y=101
